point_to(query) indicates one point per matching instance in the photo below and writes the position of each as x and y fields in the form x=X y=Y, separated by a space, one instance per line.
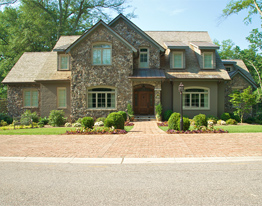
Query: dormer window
x=102 y=54
x=63 y=62
x=208 y=60
x=143 y=58
x=229 y=68
x=177 y=60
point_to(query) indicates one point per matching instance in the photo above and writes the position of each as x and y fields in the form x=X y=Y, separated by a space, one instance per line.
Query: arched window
x=102 y=54
x=196 y=98
x=101 y=98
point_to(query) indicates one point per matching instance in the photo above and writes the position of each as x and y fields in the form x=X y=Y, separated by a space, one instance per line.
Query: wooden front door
x=144 y=101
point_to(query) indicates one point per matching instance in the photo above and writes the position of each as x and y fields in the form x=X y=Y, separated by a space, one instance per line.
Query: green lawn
x=44 y=131
x=233 y=128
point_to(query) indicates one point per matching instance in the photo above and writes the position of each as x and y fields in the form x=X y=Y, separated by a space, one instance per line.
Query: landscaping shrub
x=116 y=120
x=88 y=122
x=101 y=119
x=77 y=124
x=213 y=118
x=235 y=117
x=200 y=120
x=172 y=121
x=130 y=110
x=6 y=118
x=167 y=114
x=123 y=114
x=159 y=109
x=3 y=123
x=27 y=117
x=225 y=116
x=231 y=121
x=250 y=120
x=56 y=118
x=221 y=122
x=68 y=124
x=43 y=120
x=186 y=124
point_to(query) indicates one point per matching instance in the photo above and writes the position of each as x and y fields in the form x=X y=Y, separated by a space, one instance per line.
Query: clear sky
x=193 y=15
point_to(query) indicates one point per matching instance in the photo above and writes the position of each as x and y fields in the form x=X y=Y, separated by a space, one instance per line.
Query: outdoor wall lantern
x=181 y=89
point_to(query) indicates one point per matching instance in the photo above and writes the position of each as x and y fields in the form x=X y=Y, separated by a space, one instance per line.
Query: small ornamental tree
x=243 y=101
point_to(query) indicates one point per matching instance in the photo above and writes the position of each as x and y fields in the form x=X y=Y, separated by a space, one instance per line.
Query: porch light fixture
x=181 y=89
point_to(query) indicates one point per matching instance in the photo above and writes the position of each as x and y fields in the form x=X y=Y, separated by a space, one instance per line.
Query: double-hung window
x=61 y=97
x=30 y=98
x=101 y=98
x=208 y=60
x=102 y=54
x=63 y=62
x=143 y=58
x=196 y=98
x=178 y=60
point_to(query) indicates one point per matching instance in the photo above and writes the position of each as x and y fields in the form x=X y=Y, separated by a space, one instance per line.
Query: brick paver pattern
x=144 y=140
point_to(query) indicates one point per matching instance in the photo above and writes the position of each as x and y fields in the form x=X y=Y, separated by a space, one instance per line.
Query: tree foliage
x=36 y=25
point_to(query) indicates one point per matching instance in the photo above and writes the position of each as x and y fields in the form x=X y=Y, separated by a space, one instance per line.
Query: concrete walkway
x=146 y=140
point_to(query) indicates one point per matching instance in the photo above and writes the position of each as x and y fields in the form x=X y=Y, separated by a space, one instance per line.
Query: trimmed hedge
x=172 y=121
x=186 y=124
x=115 y=120
x=231 y=121
x=225 y=116
x=200 y=120
x=88 y=122
x=123 y=114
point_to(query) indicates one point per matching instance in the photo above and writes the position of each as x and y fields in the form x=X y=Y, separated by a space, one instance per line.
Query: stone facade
x=15 y=99
x=3 y=106
x=138 y=41
x=86 y=75
x=237 y=82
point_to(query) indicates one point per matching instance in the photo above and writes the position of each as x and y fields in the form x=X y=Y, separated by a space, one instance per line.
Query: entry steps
x=145 y=118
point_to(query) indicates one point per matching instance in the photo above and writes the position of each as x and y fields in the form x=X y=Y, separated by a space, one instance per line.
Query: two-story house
x=114 y=64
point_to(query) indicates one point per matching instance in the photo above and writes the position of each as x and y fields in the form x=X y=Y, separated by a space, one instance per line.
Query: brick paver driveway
x=145 y=140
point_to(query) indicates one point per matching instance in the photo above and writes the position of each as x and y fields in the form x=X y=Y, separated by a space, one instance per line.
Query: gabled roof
x=136 y=28
x=240 y=68
x=64 y=42
x=176 y=45
x=27 y=68
x=204 y=45
x=100 y=23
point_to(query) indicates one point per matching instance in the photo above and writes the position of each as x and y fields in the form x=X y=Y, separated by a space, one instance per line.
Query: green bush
x=116 y=120
x=231 y=121
x=6 y=118
x=250 y=120
x=167 y=114
x=159 y=109
x=27 y=117
x=200 y=120
x=235 y=117
x=186 y=124
x=211 y=117
x=3 y=123
x=123 y=114
x=43 y=120
x=130 y=110
x=56 y=118
x=88 y=122
x=225 y=116
x=101 y=119
x=172 y=121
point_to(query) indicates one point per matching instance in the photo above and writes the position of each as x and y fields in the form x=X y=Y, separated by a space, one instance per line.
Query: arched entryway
x=144 y=98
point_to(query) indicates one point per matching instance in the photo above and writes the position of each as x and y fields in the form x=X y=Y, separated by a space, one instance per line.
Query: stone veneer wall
x=15 y=99
x=137 y=41
x=238 y=82
x=85 y=75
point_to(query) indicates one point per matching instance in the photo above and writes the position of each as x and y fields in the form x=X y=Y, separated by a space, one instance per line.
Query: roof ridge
x=176 y=31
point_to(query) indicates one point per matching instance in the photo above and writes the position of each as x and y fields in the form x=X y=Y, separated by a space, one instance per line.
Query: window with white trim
x=229 y=68
x=61 y=97
x=196 y=98
x=143 y=58
x=102 y=54
x=101 y=98
x=63 y=62
x=178 y=60
x=208 y=60
x=30 y=98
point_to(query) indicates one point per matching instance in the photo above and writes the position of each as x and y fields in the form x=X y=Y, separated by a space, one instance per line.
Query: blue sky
x=193 y=15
